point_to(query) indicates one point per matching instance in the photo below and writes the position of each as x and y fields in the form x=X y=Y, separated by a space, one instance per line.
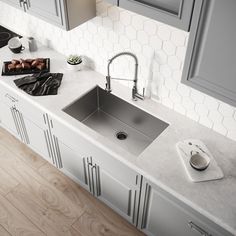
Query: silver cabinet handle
x=89 y=163
x=85 y=172
x=46 y=139
x=50 y=147
x=44 y=118
x=137 y=199
x=58 y=152
x=145 y=206
x=15 y=121
x=129 y=203
x=98 y=180
x=134 y=207
x=21 y=1
x=19 y=124
x=27 y=141
x=11 y=98
x=26 y=4
x=51 y=123
x=197 y=228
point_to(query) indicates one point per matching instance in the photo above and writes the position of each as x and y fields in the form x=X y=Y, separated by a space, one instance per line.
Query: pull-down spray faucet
x=135 y=93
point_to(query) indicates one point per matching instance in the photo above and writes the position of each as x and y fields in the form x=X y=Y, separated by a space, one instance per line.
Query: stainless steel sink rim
x=108 y=115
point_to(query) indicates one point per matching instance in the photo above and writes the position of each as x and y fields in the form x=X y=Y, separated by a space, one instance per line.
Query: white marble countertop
x=159 y=162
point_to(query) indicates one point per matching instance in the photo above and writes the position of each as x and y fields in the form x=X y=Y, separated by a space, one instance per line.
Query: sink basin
x=122 y=123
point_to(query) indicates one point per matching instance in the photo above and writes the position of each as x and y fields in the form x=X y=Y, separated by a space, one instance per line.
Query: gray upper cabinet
x=66 y=14
x=49 y=10
x=210 y=64
x=173 y=12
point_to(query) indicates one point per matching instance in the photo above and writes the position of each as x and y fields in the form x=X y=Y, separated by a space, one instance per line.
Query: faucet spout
x=135 y=94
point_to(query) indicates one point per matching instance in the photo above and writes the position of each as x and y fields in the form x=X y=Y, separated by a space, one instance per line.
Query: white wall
x=159 y=47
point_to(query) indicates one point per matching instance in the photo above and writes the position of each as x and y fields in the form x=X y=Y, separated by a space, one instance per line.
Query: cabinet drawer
x=8 y=97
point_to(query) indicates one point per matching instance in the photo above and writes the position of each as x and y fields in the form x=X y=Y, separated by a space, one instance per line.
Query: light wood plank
x=52 y=222
x=3 y=232
x=21 y=150
x=47 y=207
x=7 y=182
x=15 y=222
x=74 y=232
x=98 y=218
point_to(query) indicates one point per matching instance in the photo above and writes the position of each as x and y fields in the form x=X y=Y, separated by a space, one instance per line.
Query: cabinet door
x=161 y=214
x=73 y=164
x=210 y=59
x=120 y=196
x=37 y=138
x=108 y=186
x=8 y=119
x=49 y=10
x=174 y=12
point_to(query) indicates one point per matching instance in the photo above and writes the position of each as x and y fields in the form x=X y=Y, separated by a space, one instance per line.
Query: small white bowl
x=75 y=67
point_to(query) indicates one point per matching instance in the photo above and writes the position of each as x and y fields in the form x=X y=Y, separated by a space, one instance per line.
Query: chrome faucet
x=135 y=93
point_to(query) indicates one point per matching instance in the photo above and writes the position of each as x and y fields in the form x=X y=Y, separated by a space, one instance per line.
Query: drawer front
x=8 y=97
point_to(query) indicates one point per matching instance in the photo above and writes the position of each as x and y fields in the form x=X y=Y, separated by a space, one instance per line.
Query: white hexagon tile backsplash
x=160 y=49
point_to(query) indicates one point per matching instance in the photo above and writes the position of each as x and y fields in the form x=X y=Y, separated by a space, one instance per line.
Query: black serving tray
x=5 y=70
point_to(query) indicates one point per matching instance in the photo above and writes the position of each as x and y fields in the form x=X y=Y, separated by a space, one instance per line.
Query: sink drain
x=121 y=135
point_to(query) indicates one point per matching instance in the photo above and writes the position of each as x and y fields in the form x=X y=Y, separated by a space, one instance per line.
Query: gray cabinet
x=6 y=118
x=11 y=117
x=173 y=12
x=48 y=10
x=210 y=59
x=37 y=139
x=66 y=14
x=161 y=214
x=117 y=186
x=73 y=164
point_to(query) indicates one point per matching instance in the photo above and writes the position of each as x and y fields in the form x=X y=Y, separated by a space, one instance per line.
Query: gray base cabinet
x=161 y=214
x=177 y=13
x=73 y=164
x=37 y=139
x=119 y=191
x=66 y=14
x=210 y=59
x=6 y=118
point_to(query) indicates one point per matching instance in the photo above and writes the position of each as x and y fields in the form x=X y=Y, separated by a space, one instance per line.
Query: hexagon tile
x=160 y=49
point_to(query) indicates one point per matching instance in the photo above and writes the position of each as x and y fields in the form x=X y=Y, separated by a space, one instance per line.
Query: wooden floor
x=36 y=199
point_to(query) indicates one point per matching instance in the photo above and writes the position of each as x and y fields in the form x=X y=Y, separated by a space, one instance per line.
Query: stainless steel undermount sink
x=122 y=123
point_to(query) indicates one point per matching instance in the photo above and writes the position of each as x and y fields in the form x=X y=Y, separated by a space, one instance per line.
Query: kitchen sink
x=122 y=123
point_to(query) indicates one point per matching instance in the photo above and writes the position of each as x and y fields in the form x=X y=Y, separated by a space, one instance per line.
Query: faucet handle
x=136 y=95
x=143 y=92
